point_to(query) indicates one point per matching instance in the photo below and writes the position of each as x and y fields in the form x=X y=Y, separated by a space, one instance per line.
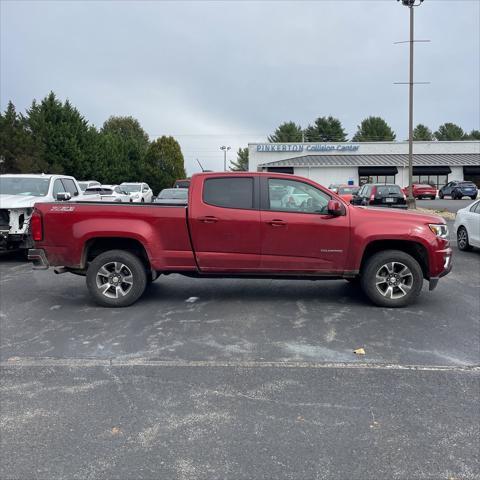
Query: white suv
x=19 y=193
x=139 y=192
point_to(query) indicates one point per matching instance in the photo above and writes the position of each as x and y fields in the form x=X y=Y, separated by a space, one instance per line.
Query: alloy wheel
x=114 y=279
x=462 y=238
x=394 y=280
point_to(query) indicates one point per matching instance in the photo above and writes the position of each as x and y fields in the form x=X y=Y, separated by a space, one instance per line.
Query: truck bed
x=161 y=229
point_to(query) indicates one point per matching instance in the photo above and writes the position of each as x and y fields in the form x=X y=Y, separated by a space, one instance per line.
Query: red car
x=422 y=190
x=246 y=224
x=346 y=192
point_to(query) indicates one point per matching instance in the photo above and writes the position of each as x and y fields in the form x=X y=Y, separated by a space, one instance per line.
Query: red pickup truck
x=242 y=225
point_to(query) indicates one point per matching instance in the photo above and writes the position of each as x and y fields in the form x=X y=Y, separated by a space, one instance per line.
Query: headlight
x=440 y=230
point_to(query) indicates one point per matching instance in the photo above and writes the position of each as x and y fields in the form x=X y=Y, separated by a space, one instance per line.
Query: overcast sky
x=224 y=72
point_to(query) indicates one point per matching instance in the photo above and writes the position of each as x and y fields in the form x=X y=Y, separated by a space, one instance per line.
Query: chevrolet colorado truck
x=245 y=224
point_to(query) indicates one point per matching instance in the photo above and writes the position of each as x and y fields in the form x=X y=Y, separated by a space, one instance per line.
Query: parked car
x=173 y=196
x=182 y=183
x=347 y=192
x=106 y=193
x=380 y=195
x=231 y=227
x=422 y=190
x=334 y=187
x=19 y=193
x=467 y=226
x=457 y=190
x=84 y=184
x=139 y=192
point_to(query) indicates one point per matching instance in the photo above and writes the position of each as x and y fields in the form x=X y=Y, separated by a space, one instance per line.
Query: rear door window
x=229 y=192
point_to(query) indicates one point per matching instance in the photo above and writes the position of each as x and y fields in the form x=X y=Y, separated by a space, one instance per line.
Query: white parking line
x=145 y=362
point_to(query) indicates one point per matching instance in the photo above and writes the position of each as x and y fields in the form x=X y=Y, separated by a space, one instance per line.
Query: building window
x=437 y=181
x=377 y=179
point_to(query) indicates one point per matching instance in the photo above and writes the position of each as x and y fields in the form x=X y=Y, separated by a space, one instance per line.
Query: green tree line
x=371 y=129
x=53 y=137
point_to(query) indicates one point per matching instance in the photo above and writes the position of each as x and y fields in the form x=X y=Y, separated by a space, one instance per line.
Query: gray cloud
x=214 y=73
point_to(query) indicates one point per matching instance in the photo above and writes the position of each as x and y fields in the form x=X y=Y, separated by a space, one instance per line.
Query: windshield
x=348 y=190
x=83 y=185
x=36 y=187
x=179 y=193
x=130 y=188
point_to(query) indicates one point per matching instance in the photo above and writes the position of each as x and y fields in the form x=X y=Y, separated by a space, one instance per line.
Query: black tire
x=440 y=195
x=134 y=271
x=377 y=263
x=432 y=198
x=473 y=197
x=462 y=240
x=143 y=200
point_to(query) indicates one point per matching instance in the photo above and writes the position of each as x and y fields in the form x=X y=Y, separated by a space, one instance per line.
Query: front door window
x=293 y=196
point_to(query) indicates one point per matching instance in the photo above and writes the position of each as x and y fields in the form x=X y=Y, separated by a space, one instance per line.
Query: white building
x=359 y=163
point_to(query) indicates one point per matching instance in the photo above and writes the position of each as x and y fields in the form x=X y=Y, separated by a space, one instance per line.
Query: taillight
x=372 y=196
x=36 y=226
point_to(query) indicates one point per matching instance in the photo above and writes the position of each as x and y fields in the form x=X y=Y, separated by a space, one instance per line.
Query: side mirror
x=63 y=196
x=335 y=208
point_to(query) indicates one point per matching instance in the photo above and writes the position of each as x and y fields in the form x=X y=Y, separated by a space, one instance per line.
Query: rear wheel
x=116 y=278
x=440 y=195
x=473 y=197
x=392 y=279
x=462 y=239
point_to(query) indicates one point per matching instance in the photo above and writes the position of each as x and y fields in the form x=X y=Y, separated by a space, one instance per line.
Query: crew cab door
x=224 y=220
x=298 y=234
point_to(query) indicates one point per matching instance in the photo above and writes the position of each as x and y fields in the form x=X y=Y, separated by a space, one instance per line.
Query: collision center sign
x=311 y=147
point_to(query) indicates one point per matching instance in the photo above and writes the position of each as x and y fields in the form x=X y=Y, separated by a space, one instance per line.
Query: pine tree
x=422 y=133
x=326 y=129
x=287 y=132
x=374 y=129
x=242 y=161
x=449 y=131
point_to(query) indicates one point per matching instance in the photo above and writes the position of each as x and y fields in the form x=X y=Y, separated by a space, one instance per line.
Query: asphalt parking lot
x=217 y=379
x=445 y=204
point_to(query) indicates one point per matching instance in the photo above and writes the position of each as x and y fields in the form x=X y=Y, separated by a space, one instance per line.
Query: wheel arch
x=418 y=251
x=97 y=245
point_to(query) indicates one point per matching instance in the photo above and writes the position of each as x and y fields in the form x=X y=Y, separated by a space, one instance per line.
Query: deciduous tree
x=164 y=163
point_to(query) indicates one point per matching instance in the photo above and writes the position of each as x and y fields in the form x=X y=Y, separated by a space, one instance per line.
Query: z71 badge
x=62 y=208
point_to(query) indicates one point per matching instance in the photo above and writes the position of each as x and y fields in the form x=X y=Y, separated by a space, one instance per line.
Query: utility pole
x=225 y=150
x=411 y=4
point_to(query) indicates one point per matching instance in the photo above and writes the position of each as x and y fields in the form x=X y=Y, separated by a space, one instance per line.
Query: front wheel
x=462 y=240
x=392 y=279
x=116 y=278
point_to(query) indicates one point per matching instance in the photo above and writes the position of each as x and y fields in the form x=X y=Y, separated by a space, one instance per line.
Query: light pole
x=410 y=200
x=225 y=150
